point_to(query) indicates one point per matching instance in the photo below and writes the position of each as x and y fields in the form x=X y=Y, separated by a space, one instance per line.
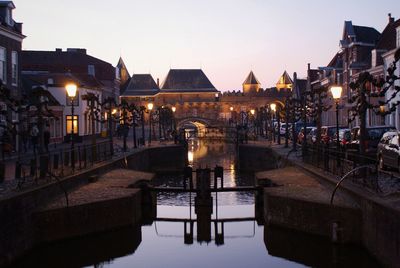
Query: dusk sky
x=225 y=38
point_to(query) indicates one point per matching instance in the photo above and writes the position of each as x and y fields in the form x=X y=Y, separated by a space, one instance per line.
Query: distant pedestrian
x=46 y=138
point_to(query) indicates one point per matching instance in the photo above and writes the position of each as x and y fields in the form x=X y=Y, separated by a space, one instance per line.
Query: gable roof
x=187 y=80
x=388 y=37
x=141 y=85
x=357 y=33
x=284 y=81
x=72 y=60
x=121 y=65
x=61 y=79
x=251 y=79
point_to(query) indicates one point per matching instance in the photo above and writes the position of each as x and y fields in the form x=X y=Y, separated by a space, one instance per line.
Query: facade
x=75 y=61
x=52 y=70
x=55 y=84
x=388 y=58
x=195 y=97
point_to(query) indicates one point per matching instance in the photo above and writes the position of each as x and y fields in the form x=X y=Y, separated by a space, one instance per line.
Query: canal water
x=226 y=234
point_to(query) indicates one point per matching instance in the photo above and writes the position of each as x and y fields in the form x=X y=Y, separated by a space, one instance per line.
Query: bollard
x=32 y=172
x=218 y=173
x=2 y=171
x=55 y=161
x=18 y=169
x=66 y=159
x=188 y=174
x=44 y=166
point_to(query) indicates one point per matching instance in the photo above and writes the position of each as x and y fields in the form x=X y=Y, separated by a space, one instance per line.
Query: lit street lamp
x=173 y=115
x=150 y=108
x=71 y=91
x=273 y=109
x=336 y=93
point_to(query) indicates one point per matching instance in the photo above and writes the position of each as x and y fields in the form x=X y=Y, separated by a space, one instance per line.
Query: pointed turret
x=284 y=82
x=122 y=72
x=251 y=84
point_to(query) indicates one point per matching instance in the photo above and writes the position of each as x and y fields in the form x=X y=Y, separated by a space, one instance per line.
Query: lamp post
x=336 y=93
x=71 y=91
x=273 y=109
x=253 y=112
x=174 y=122
x=150 y=108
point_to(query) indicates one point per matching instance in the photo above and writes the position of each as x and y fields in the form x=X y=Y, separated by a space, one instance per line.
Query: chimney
x=391 y=19
x=58 y=49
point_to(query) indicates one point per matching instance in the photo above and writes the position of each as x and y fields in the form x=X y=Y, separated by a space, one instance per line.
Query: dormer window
x=91 y=70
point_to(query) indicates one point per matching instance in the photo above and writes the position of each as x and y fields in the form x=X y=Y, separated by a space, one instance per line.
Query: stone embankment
x=301 y=201
x=99 y=199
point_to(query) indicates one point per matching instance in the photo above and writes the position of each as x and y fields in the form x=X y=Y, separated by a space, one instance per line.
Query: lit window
x=69 y=124
x=3 y=65
x=14 y=68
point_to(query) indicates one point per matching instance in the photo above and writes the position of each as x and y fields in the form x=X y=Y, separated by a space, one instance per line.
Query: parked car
x=374 y=135
x=312 y=136
x=300 y=136
x=344 y=136
x=283 y=128
x=328 y=133
x=388 y=151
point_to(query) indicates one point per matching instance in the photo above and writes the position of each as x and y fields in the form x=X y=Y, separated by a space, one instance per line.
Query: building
x=54 y=69
x=378 y=70
x=392 y=44
x=11 y=38
x=54 y=83
x=251 y=85
x=75 y=61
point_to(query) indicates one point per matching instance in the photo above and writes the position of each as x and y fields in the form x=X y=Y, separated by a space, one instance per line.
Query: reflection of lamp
x=71 y=91
x=336 y=93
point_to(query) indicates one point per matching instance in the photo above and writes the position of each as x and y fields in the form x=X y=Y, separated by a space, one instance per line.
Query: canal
x=229 y=233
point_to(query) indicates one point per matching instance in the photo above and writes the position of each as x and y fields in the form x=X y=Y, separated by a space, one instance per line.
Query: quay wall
x=257 y=158
x=375 y=225
x=18 y=231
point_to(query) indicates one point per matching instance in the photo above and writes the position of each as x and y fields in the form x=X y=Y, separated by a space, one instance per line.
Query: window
x=69 y=124
x=3 y=65
x=398 y=37
x=91 y=70
x=14 y=68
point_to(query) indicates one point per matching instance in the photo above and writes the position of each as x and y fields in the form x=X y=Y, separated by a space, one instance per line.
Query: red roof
x=76 y=61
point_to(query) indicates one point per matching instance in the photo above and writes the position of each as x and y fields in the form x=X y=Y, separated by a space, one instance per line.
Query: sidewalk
x=389 y=185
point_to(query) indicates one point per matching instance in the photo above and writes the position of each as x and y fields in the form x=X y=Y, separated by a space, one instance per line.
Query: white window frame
x=14 y=68
x=3 y=72
x=398 y=37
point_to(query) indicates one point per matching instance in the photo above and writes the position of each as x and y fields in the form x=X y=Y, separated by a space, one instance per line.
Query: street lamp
x=336 y=93
x=273 y=109
x=71 y=91
x=150 y=108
